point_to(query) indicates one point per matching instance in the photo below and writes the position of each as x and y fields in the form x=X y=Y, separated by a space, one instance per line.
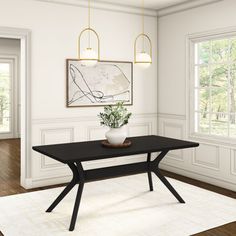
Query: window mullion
x=228 y=88
x=210 y=88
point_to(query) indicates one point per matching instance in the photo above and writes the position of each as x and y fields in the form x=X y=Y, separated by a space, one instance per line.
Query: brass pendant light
x=143 y=58
x=89 y=57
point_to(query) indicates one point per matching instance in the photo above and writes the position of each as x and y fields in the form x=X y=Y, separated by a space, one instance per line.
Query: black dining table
x=74 y=154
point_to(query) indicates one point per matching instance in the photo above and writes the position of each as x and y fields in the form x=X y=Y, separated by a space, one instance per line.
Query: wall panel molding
x=147 y=125
x=233 y=162
x=90 y=129
x=86 y=118
x=44 y=164
x=215 y=165
x=171 y=116
x=175 y=155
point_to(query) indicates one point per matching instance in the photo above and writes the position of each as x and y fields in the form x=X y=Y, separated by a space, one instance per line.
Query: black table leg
x=169 y=186
x=156 y=170
x=149 y=172
x=78 y=196
x=80 y=177
x=68 y=188
x=76 y=206
x=62 y=195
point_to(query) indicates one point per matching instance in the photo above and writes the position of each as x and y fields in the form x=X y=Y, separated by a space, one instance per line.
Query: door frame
x=25 y=98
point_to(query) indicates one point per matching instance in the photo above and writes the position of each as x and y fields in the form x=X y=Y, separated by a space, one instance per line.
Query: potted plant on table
x=115 y=117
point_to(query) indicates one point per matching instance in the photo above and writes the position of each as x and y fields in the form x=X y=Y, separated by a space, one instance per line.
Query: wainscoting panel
x=206 y=156
x=233 y=162
x=173 y=129
x=51 y=136
x=46 y=171
x=42 y=166
x=214 y=163
x=96 y=132
x=138 y=129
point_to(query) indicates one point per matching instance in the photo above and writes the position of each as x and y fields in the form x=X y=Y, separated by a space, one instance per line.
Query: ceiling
x=149 y=4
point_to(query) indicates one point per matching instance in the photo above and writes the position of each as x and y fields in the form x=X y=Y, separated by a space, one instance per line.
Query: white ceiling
x=149 y=4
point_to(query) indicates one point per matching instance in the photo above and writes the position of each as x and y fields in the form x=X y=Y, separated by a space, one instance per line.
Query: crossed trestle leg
x=155 y=168
x=80 y=177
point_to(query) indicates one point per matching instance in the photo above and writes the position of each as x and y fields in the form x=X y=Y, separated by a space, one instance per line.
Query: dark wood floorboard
x=200 y=184
x=10 y=182
x=224 y=230
x=10 y=169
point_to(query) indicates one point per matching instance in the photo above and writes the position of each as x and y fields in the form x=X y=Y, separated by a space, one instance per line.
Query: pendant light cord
x=89 y=24
x=143 y=23
x=89 y=13
x=143 y=16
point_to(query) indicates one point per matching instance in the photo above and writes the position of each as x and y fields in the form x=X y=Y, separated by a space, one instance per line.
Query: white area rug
x=117 y=207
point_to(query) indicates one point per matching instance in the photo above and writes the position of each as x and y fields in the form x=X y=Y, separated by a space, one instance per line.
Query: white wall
x=55 y=29
x=213 y=162
x=10 y=48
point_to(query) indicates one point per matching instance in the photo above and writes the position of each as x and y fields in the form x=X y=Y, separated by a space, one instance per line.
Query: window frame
x=191 y=41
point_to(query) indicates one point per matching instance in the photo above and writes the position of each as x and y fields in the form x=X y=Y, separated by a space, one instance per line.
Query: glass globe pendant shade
x=89 y=57
x=143 y=59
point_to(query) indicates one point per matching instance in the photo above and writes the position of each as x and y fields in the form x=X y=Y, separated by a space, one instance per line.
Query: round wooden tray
x=127 y=143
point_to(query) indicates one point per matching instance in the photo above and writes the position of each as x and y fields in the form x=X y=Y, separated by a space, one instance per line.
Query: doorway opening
x=9 y=114
x=15 y=122
x=9 y=89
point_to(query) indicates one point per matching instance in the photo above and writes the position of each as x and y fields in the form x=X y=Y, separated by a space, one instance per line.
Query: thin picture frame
x=94 y=104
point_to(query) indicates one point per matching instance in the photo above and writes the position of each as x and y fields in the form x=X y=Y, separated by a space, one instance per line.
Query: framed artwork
x=107 y=83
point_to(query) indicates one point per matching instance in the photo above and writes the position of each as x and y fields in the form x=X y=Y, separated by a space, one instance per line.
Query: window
x=214 y=87
x=5 y=96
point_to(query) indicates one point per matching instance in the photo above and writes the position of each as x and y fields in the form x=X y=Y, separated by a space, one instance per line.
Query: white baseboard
x=214 y=181
x=36 y=183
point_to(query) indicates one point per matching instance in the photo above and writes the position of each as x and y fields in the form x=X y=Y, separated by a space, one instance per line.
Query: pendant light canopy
x=89 y=57
x=143 y=58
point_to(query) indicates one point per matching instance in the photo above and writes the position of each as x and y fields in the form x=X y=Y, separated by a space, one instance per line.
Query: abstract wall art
x=104 y=84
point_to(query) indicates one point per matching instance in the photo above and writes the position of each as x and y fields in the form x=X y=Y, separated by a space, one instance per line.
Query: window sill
x=211 y=139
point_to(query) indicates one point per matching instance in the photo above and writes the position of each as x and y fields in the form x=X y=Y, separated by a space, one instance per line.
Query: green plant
x=114 y=116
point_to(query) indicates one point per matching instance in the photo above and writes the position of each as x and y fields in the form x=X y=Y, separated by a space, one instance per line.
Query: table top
x=93 y=150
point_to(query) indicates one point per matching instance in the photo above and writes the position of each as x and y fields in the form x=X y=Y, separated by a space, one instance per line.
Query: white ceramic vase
x=116 y=136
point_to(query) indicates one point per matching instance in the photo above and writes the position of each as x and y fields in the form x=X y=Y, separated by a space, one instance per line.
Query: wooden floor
x=10 y=182
x=225 y=230
x=10 y=169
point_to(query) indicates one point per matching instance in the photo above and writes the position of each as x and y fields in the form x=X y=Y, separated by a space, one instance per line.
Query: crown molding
x=103 y=6
x=185 y=6
x=132 y=9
